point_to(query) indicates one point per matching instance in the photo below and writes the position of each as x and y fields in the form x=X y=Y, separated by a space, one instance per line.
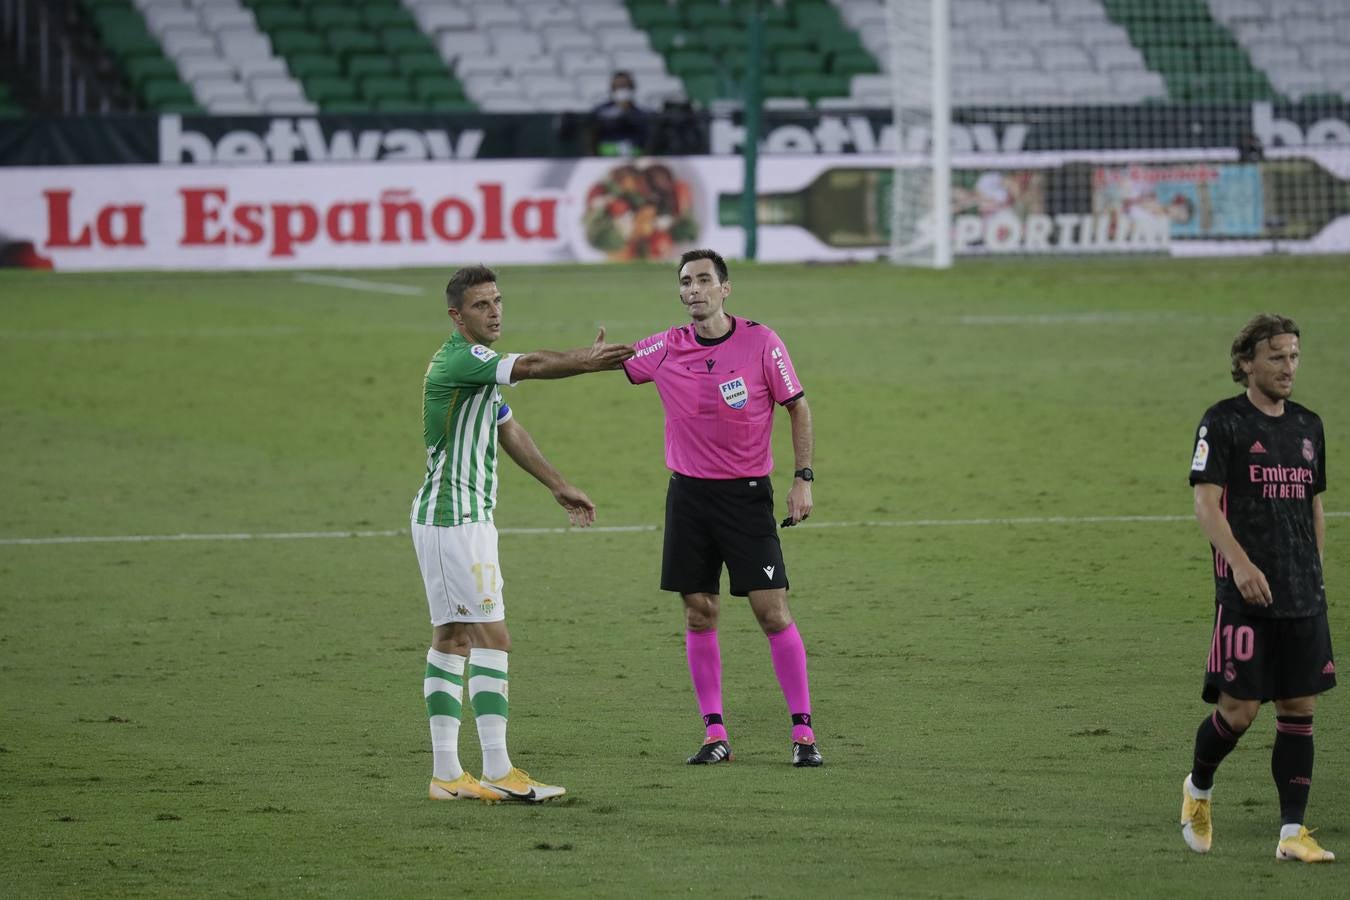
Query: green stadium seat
x=363 y=65
x=849 y=64
x=723 y=40
x=665 y=39
x=347 y=106
x=141 y=69
x=791 y=62
x=158 y=91
x=292 y=41
x=839 y=42
x=818 y=19
x=346 y=42
x=775 y=16
x=690 y=62
x=377 y=87
x=778 y=38
x=326 y=89
x=328 y=17
x=405 y=40
x=655 y=15
x=442 y=105
x=308 y=65
x=400 y=105
x=430 y=87
x=772 y=85
x=271 y=18
x=702 y=88
x=813 y=87
x=388 y=17
x=710 y=15
x=427 y=63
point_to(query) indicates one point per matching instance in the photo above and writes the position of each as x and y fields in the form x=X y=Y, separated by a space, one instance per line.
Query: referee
x=720 y=379
x=1258 y=470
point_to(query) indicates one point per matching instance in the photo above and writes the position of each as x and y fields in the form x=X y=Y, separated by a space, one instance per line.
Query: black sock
x=1291 y=764
x=1214 y=740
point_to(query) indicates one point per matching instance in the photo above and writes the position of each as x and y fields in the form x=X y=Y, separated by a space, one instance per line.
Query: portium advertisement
x=596 y=210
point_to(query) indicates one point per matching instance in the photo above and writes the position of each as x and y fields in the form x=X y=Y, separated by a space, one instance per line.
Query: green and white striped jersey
x=461 y=409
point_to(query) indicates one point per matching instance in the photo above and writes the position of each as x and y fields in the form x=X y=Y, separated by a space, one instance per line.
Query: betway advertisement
x=596 y=210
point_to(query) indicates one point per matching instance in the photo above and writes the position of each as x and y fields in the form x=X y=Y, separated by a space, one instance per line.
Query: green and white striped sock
x=488 y=694
x=443 y=688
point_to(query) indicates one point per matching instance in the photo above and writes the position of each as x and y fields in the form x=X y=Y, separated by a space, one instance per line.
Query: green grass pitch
x=1006 y=708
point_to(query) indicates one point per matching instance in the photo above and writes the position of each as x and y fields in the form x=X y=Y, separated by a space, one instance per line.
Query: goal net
x=1185 y=127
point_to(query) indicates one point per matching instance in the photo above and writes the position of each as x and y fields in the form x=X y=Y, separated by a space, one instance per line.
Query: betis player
x=464 y=421
x=1258 y=471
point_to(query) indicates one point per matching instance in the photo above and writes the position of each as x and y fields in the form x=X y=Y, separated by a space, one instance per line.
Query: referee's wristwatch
x=805 y=474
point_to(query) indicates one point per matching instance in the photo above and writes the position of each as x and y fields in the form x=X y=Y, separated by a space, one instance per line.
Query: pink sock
x=789 y=664
x=705 y=669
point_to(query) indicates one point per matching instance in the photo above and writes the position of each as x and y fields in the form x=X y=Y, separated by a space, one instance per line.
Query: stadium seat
x=585 y=62
x=141 y=69
x=363 y=65
x=614 y=39
x=434 y=19
x=328 y=17
x=560 y=39
x=291 y=41
x=306 y=65
x=423 y=63
x=161 y=19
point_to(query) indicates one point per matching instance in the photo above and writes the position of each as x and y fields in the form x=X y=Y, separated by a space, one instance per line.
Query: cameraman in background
x=619 y=127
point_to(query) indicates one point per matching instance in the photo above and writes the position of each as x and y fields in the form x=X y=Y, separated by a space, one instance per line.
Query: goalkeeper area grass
x=212 y=627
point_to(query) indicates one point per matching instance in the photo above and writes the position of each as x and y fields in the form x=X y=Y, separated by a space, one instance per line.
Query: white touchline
x=360 y=284
x=594 y=529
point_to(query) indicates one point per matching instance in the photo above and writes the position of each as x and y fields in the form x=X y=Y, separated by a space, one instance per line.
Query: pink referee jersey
x=719 y=396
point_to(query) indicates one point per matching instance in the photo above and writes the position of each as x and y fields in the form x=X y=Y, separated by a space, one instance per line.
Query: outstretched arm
x=560 y=364
x=518 y=444
x=803 y=448
x=1250 y=580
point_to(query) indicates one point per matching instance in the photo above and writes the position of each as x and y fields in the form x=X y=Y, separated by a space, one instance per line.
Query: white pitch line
x=285 y=535
x=594 y=529
x=360 y=284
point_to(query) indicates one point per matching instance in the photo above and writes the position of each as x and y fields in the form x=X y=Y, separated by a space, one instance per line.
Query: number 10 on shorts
x=1238 y=643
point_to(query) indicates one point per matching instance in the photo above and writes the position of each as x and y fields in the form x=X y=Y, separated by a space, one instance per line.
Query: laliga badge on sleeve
x=1201 y=455
x=482 y=352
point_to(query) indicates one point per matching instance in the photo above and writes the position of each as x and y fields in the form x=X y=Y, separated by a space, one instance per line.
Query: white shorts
x=460 y=571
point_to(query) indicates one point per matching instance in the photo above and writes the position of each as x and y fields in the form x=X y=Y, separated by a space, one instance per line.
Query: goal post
x=919 y=48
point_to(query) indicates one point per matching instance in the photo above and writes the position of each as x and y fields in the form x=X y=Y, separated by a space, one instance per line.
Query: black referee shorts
x=711 y=523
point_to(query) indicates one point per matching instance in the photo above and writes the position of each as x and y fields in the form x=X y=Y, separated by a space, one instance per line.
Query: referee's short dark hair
x=718 y=262
x=1262 y=327
x=462 y=280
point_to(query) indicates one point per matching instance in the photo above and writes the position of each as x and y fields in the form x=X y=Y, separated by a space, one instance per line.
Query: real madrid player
x=464 y=420
x=1258 y=471
x=721 y=379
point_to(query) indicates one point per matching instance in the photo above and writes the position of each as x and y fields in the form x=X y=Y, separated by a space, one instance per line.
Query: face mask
x=622 y=95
